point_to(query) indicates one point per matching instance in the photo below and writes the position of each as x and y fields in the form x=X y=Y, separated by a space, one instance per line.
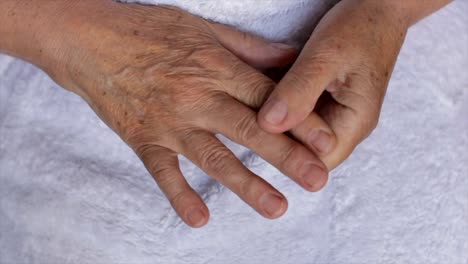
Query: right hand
x=166 y=82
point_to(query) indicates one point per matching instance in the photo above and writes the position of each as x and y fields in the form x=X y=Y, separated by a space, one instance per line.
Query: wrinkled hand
x=340 y=79
x=166 y=82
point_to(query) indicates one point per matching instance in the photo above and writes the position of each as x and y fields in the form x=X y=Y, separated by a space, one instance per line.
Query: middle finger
x=238 y=123
x=212 y=156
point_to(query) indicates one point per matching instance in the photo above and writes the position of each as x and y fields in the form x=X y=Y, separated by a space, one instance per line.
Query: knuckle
x=213 y=101
x=250 y=188
x=301 y=85
x=180 y=95
x=157 y=165
x=331 y=49
x=321 y=61
x=370 y=118
x=220 y=61
x=142 y=149
x=287 y=157
x=247 y=130
x=135 y=137
x=142 y=141
x=367 y=125
x=257 y=89
x=374 y=123
x=215 y=158
x=161 y=173
x=138 y=129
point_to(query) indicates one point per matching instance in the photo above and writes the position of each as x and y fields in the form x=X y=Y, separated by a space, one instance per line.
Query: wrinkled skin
x=341 y=76
x=166 y=82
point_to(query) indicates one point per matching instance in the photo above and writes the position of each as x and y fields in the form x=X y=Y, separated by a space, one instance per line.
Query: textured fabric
x=279 y=20
x=72 y=192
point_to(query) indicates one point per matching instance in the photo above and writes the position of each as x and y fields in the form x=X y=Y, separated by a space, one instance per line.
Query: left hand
x=340 y=79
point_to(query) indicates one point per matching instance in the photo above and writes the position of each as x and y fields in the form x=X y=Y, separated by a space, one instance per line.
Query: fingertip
x=196 y=217
x=273 y=205
x=314 y=177
x=275 y=116
x=323 y=142
x=286 y=54
x=274 y=111
x=320 y=183
x=272 y=115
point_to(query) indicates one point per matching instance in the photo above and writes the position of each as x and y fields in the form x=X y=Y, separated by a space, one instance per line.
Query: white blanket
x=72 y=192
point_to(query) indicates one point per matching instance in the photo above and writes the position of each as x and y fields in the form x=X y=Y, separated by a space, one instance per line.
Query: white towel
x=278 y=20
x=72 y=192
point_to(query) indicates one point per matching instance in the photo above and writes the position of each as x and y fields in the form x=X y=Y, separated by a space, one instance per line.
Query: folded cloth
x=72 y=192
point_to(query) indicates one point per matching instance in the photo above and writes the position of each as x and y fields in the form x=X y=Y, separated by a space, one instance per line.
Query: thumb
x=253 y=49
x=295 y=96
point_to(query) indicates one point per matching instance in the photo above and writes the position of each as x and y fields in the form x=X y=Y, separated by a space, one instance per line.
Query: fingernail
x=281 y=46
x=313 y=177
x=272 y=204
x=321 y=141
x=196 y=217
x=275 y=111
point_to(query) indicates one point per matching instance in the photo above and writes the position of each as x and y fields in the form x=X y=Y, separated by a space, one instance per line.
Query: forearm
x=29 y=29
x=415 y=10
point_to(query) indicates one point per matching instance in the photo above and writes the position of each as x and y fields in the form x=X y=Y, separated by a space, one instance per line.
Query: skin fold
x=167 y=81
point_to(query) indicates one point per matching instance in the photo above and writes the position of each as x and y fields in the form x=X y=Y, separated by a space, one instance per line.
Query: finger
x=316 y=134
x=249 y=86
x=164 y=167
x=208 y=153
x=253 y=49
x=352 y=115
x=252 y=88
x=297 y=93
x=238 y=123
